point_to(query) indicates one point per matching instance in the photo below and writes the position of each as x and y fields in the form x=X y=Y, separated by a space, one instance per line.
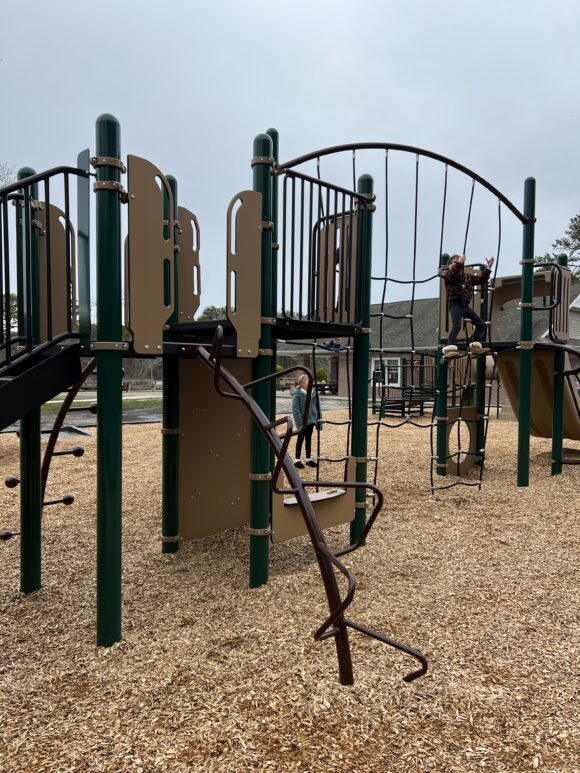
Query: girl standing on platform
x=310 y=421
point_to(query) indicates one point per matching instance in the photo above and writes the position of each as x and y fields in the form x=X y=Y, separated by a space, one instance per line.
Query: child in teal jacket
x=314 y=416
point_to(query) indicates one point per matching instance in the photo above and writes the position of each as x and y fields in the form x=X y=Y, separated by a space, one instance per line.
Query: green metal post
x=526 y=344
x=84 y=251
x=109 y=374
x=30 y=482
x=441 y=381
x=262 y=366
x=558 y=404
x=170 y=517
x=275 y=137
x=361 y=354
x=480 y=396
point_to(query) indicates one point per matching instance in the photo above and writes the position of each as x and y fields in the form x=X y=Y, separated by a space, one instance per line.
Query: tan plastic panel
x=58 y=288
x=148 y=251
x=444 y=319
x=332 y=507
x=244 y=272
x=466 y=463
x=509 y=288
x=341 y=234
x=561 y=314
x=189 y=268
x=214 y=452
x=508 y=365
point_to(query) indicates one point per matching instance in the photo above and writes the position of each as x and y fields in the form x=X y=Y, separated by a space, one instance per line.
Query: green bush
x=321 y=375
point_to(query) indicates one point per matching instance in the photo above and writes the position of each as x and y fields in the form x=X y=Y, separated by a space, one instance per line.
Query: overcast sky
x=492 y=85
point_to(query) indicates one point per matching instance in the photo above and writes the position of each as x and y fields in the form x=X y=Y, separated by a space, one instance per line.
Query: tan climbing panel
x=336 y=275
x=189 y=268
x=214 y=452
x=332 y=507
x=509 y=288
x=444 y=318
x=149 y=257
x=244 y=270
x=58 y=283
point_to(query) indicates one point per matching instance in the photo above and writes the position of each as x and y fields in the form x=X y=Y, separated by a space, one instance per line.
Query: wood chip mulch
x=213 y=676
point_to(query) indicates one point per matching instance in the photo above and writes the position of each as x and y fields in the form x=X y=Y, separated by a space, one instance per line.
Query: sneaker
x=450 y=351
x=476 y=349
x=298 y=464
x=311 y=463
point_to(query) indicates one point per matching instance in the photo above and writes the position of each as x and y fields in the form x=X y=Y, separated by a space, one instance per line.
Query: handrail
x=40 y=177
x=327 y=560
x=407 y=149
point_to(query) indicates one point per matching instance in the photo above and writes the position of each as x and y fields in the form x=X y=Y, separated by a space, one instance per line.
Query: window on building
x=392 y=367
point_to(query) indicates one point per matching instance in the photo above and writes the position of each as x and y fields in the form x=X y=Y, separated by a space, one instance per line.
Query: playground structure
x=308 y=254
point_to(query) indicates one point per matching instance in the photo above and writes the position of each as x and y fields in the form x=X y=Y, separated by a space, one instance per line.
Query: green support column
x=480 y=396
x=441 y=381
x=109 y=375
x=558 y=404
x=30 y=484
x=262 y=366
x=274 y=136
x=170 y=517
x=361 y=354
x=525 y=395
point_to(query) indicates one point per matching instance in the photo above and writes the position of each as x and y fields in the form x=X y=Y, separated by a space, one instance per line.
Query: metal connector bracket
x=268 y=320
x=268 y=160
x=259 y=532
x=109 y=346
x=267 y=225
x=266 y=352
x=260 y=476
x=170 y=431
x=170 y=540
x=108 y=161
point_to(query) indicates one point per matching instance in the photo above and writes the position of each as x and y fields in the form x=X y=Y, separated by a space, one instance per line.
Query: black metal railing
x=322 y=243
x=28 y=258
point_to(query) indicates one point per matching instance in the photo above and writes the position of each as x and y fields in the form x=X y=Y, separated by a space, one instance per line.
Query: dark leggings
x=305 y=436
x=457 y=311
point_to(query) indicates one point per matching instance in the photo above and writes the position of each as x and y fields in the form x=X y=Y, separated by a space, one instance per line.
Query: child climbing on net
x=459 y=286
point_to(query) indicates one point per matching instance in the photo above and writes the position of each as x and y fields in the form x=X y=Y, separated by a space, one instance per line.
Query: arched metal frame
x=336 y=149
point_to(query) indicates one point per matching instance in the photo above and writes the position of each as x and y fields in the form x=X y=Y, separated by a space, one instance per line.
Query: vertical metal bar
x=109 y=411
x=28 y=279
x=284 y=220
x=68 y=254
x=441 y=376
x=558 y=404
x=171 y=414
x=361 y=353
x=48 y=253
x=83 y=251
x=301 y=276
x=480 y=369
x=326 y=240
x=262 y=366
x=311 y=283
x=525 y=395
x=5 y=318
x=342 y=289
x=293 y=245
x=30 y=482
x=334 y=308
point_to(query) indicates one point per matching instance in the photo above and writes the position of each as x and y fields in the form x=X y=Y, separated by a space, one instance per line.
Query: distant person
x=459 y=287
x=311 y=421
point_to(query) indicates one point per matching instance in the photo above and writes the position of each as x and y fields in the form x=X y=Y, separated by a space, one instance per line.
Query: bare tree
x=7 y=174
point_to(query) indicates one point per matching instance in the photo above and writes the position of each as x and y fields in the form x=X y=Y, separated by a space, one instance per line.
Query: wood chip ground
x=213 y=676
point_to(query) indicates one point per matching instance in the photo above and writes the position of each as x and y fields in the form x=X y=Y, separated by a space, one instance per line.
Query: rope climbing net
x=460 y=390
